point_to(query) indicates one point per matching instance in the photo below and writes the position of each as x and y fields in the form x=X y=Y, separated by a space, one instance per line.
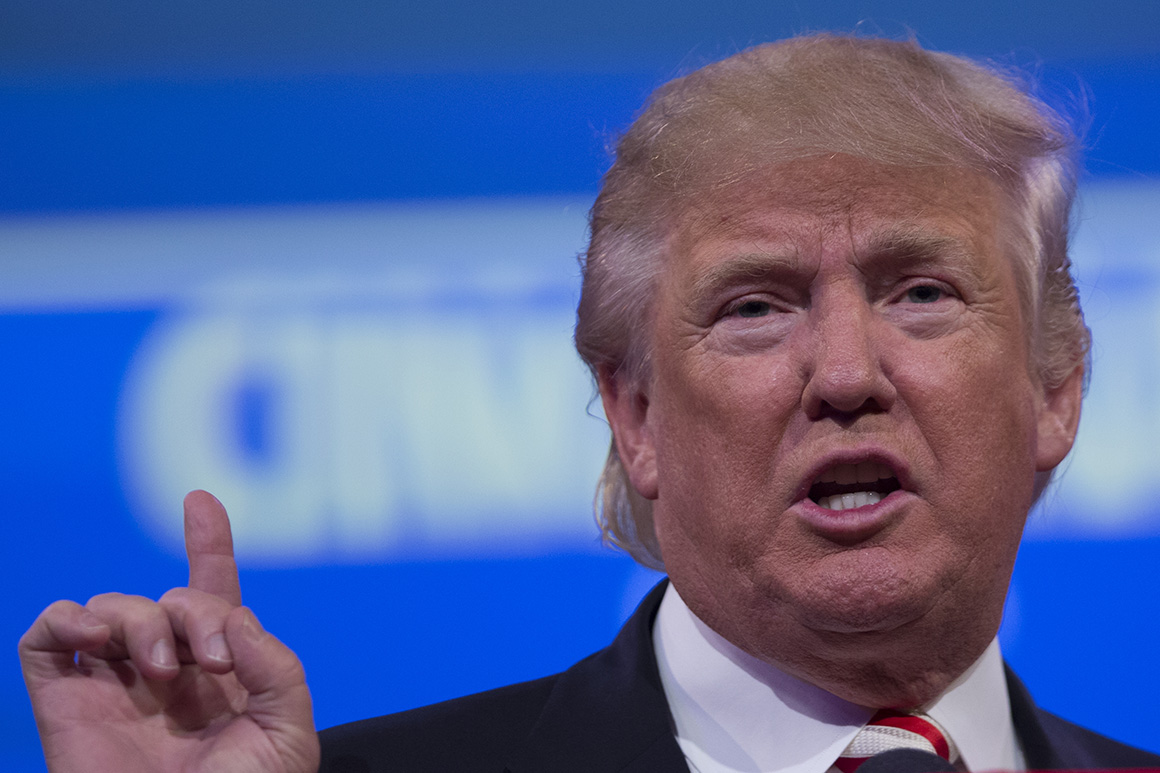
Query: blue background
x=147 y=108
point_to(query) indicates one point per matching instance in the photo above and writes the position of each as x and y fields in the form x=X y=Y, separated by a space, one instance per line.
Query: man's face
x=841 y=431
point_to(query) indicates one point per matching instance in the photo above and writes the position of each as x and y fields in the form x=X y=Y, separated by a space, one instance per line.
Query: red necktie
x=888 y=730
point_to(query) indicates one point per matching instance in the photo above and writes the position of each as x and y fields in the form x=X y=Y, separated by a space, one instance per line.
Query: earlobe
x=626 y=406
x=1059 y=420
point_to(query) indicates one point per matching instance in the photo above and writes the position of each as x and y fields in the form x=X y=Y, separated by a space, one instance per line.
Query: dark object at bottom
x=906 y=761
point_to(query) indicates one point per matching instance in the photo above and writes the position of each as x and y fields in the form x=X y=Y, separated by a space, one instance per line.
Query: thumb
x=279 y=700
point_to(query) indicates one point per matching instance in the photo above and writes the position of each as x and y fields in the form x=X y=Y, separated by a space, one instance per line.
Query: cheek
x=719 y=428
x=714 y=388
x=975 y=385
x=974 y=407
x=727 y=413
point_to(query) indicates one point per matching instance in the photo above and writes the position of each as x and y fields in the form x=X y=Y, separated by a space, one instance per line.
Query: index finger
x=210 y=547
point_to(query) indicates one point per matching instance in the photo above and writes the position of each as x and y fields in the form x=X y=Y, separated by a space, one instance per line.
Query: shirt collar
x=976 y=712
x=734 y=713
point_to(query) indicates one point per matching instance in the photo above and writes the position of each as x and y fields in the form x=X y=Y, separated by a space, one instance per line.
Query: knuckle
x=194 y=615
x=124 y=609
x=55 y=614
x=106 y=599
x=175 y=597
x=286 y=668
x=192 y=604
x=27 y=640
x=61 y=609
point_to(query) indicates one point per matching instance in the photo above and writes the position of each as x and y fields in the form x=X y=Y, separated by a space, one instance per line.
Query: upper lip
x=854 y=456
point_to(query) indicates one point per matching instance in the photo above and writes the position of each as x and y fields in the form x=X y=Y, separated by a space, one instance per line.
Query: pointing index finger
x=210 y=548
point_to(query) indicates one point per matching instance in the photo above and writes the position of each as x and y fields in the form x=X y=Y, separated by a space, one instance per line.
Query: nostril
x=827 y=410
x=847 y=393
x=846 y=374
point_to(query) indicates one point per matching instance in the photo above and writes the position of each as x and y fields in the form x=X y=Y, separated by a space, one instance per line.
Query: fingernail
x=91 y=622
x=252 y=627
x=217 y=649
x=163 y=655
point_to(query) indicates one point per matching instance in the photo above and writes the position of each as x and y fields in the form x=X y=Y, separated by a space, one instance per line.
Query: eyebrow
x=907 y=247
x=900 y=247
x=744 y=268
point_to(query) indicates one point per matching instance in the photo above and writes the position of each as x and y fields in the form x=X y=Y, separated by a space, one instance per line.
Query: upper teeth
x=863 y=472
x=848 y=501
x=850 y=475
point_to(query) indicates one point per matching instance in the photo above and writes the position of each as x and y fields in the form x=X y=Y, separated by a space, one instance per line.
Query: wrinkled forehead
x=808 y=208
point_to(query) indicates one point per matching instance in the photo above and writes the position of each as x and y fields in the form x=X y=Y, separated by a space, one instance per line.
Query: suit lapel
x=1039 y=752
x=1052 y=743
x=608 y=712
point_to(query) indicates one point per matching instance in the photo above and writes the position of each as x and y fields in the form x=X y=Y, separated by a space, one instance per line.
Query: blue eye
x=924 y=294
x=753 y=309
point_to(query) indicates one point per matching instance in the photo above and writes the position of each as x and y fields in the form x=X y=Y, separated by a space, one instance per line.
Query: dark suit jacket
x=609 y=713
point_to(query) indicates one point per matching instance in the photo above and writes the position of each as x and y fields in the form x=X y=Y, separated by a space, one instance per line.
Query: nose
x=845 y=376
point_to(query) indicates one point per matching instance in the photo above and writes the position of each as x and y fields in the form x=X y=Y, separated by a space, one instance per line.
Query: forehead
x=806 y=211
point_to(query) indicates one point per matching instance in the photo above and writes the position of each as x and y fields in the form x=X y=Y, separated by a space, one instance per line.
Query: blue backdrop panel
x=165 y=143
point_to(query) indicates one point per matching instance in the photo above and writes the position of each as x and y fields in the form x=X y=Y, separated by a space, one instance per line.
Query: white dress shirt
x=734 y=713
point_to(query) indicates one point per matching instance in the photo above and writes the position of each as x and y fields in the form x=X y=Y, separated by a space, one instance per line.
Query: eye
x=924 y=307
x=753 y=309
x=925 y=294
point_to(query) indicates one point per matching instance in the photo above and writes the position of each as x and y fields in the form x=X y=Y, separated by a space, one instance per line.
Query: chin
x=874 y=614
x=866 y=593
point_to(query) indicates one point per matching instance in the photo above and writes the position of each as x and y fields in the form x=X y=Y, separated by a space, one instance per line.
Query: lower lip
x=855 y=524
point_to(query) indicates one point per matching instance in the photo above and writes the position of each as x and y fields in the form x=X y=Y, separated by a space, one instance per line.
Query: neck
x=906 y=666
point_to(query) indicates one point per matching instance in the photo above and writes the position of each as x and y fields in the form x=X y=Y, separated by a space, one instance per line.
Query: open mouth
x=846 y=486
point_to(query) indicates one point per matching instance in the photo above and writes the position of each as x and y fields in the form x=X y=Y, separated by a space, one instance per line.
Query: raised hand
x=190 y=682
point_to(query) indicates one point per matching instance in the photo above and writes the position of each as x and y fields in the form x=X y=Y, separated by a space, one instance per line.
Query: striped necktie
x=889 y=730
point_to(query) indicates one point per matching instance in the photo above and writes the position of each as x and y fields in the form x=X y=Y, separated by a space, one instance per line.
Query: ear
x=1059 y=420
x=626 y=407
